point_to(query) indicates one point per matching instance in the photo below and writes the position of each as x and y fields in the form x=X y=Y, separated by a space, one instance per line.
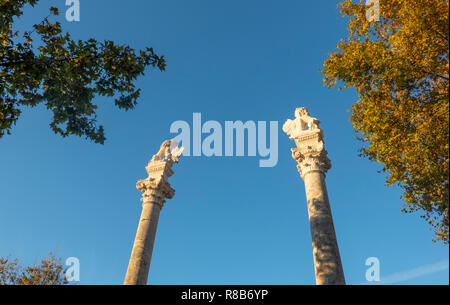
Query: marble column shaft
x=327 y=260
x=141 y=255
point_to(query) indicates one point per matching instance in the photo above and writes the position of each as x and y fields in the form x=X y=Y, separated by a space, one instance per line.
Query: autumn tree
x=45 y=65
x=399 y=67
x=50 y=271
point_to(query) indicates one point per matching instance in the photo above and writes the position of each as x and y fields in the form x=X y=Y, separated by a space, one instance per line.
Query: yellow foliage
x=399 y=66
x=49 y=272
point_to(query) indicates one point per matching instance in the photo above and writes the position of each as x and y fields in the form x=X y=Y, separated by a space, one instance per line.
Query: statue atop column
x=155 y=190
x=313 y=164
x=159 y=169
x=310 y=153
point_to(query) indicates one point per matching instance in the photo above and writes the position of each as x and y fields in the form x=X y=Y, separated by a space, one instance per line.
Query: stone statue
x=168 y=151
x=303 y=122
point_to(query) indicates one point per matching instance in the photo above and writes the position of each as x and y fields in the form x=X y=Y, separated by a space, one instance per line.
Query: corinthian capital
x=155 y=190
x=310 y=153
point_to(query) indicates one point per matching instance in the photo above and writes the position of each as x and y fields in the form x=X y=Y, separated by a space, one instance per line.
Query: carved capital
x=156 y=187
x=310 y=153
x=155 y=190
x=313 y=161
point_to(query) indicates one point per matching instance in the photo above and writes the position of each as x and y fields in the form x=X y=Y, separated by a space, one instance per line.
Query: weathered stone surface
x=137 y=273
x=155 y=190
x=312 y=164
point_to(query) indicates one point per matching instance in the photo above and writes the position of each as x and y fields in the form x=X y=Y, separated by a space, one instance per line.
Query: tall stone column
x=156 y=189
x=313 y=164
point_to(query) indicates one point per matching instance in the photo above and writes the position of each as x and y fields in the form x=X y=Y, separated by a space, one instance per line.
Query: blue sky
x=230 y=222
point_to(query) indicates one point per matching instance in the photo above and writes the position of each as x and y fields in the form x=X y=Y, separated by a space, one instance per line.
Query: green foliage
x=399 y=67
x=46 y=66
x=49 y=272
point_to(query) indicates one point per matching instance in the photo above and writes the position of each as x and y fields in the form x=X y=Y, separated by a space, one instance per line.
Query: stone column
x=155 y=189
x=313 y=164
